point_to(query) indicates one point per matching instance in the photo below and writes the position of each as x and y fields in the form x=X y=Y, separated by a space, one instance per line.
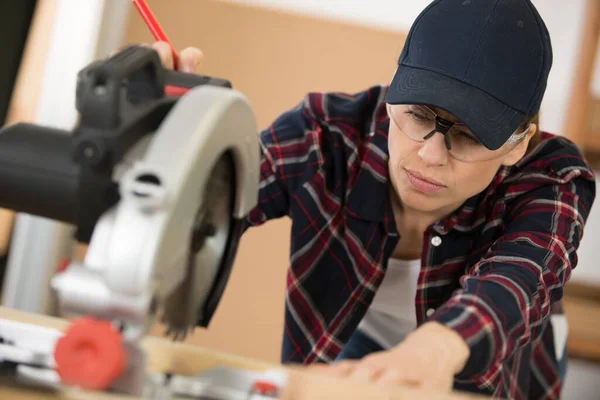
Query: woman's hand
x=429 y=358
x=189 y=58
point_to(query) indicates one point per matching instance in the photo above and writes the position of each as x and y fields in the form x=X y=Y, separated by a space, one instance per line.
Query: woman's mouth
x=422 y=183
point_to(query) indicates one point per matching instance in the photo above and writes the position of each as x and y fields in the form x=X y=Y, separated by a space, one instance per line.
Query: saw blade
x=207 y=247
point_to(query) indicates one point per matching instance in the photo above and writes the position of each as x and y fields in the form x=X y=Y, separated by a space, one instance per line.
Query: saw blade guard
x=140 y=248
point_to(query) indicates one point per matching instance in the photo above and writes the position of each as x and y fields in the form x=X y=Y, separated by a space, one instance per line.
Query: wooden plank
x=579 y=104
x=583 y=317
x=577 y=290
x=588 y=350
x=185 y=359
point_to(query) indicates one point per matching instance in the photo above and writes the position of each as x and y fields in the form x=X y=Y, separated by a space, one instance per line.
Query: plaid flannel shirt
x=493 y=271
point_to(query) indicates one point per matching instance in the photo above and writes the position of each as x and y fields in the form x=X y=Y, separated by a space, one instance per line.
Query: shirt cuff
x=478 y=330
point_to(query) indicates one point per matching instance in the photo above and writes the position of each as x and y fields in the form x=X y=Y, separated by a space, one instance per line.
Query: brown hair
x=537 y=136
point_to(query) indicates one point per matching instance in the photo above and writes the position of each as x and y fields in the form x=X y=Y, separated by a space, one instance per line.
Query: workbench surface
x=183 y=359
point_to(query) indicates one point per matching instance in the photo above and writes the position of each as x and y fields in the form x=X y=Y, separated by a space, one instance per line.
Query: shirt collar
x=369 y=197
x=473 y=213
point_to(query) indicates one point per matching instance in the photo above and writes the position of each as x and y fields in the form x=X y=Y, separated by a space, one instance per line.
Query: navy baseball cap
x=484 y=61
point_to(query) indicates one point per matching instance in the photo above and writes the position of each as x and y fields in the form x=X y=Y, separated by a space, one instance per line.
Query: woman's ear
x=519 y=151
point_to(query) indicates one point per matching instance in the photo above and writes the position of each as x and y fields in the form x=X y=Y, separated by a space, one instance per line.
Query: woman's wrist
x=444 y=343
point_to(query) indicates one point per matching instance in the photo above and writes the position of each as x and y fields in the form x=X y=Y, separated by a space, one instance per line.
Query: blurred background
x=273 y=51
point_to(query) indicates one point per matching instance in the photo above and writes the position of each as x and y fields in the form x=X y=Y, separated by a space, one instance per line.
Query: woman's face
x=428 y=178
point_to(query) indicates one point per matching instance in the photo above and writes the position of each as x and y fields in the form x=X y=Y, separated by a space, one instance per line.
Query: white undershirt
x=392 y=314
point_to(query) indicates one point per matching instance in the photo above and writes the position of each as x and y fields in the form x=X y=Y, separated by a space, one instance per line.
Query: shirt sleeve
x=505 y=298
x=288 y=157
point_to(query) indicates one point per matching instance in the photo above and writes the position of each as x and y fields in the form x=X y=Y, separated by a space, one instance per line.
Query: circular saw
x=159 y=187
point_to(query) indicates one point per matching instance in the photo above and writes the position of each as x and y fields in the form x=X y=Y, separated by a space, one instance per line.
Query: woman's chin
x=418 y=201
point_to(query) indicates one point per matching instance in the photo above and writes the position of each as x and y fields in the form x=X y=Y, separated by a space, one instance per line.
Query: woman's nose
x=434 y=151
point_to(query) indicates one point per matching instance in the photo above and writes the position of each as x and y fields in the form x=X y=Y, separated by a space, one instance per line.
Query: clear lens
x=417 y=122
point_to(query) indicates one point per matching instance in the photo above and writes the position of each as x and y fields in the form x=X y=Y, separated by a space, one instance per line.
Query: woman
x=434 y=224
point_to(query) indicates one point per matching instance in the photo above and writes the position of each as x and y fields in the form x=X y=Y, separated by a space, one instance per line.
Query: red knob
x=90 y=354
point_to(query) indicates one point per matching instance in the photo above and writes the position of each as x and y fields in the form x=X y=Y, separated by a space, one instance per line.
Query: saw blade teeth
x=178 y=334
x=208 y=241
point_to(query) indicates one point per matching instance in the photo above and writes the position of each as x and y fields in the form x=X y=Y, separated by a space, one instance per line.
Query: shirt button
x=436 y=241
x=429 y=312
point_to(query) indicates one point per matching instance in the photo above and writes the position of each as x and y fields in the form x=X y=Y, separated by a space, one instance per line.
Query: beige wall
x=274 y=59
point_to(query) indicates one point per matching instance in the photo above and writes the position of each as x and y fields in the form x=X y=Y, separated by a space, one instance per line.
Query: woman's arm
x=508 y=294
x=289 y=153
x=503 y=300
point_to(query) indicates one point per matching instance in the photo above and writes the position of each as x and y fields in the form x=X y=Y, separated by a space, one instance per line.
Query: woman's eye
x=468 y=138
x=418 y=117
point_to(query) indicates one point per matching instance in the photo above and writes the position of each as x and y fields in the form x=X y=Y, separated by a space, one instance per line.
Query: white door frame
x=82 y=32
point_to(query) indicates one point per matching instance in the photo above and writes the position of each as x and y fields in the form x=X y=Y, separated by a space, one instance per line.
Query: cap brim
x=492 y=121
